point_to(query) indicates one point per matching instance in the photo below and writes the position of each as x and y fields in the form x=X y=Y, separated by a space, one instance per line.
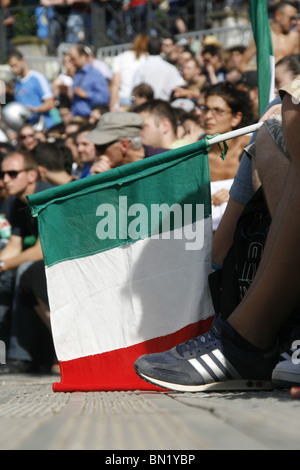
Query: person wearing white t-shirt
x=124 y=67
x=162 y=76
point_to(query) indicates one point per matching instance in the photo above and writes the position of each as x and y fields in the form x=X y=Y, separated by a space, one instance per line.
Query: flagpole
x=236 y=133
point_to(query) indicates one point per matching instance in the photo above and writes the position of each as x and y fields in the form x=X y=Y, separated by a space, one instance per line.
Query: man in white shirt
x=162 y=76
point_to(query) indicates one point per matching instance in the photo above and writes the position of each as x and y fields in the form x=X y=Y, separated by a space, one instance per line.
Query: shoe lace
x=194 y=345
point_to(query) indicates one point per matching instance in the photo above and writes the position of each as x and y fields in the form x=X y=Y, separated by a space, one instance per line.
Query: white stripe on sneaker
x=212 y=364
x=226 y=364
x=214 y=367
x=202 y=371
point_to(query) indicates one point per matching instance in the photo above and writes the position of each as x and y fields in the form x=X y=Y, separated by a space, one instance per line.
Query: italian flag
x=127 y=256
x=264 y=52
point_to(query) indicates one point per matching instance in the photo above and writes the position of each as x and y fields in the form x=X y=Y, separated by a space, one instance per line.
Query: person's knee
x=263 y=158
x=271 y=166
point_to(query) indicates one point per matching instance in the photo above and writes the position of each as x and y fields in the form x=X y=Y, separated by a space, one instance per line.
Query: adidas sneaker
x=286 y=374
x=210 y=362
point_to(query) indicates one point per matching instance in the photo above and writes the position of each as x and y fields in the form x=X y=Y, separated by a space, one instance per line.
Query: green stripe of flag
x=264 y=51
x=72 y=217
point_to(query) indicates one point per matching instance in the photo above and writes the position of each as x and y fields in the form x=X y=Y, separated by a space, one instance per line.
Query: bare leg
x=272 y=168
x=275 y=292
x=43 y=311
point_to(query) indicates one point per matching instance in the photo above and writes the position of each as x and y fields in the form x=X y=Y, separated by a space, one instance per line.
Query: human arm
x=223 y=237
x=52 y=3
x=46 y=106
x=247 y=56
x=189 y=93
x=241 y=192
x=92 y=87
x=114 y=89
x=211 y=74
x=13 y=254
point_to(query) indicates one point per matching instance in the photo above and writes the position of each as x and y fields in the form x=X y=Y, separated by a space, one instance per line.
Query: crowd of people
x=57 y=21
x=157 y=96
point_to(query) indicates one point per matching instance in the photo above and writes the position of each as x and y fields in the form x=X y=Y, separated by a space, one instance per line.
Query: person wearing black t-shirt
x=19 y=173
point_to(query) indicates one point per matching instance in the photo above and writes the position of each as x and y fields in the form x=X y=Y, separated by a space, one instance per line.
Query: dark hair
x=212 y=50
x=86 y=128
x=292 y=63
x=59 y=129
x=83 y=49
x=190 y=117
x=103 y=108
x=239 y=48
x=169 y=36
x=64 y=101
x=66 y=155
x=54 y=156
x=47 y=154
x=154 y=46
x=237 y=100
x=282 y=4
x=161 y=109
x=16 y=54
x=144 y=90
x=5 y=148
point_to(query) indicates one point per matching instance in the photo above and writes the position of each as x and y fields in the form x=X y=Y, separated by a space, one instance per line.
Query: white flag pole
x=236 y=133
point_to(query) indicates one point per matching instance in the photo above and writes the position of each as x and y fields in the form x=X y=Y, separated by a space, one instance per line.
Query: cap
x=184 y=104
x=249 y=78
x=116 y=125
x=293 y=89
x=211 y=40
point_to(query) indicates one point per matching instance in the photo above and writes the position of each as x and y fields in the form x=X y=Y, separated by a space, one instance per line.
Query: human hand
x=80 y=92
x=273 y=111
x=102 y=164
x=219 y=197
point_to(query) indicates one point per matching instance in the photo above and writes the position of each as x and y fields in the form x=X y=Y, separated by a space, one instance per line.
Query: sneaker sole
x=289 y=380
x=231 y=385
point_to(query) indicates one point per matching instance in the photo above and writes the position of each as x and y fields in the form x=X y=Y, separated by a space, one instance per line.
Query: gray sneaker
x=209 y=362
x=286 y=374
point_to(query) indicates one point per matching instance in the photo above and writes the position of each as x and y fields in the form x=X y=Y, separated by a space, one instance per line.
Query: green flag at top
x=264 y=52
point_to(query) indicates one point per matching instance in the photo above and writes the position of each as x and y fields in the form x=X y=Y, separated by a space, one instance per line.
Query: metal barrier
x=198 y=15
x=227 y=36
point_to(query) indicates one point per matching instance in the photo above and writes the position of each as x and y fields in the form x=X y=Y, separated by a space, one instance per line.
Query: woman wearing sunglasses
x=27 y=138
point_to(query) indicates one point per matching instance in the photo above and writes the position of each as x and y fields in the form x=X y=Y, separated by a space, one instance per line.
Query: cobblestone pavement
x=32 y=416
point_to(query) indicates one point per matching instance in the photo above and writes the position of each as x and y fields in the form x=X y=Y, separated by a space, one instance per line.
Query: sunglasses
x=11 y=173
x=101 y=148
x=23 y=137
x=215 y=111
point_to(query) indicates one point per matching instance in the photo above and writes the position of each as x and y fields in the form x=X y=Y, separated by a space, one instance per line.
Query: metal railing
x=200 y=17
x=109 y=25
x=227 y=36
x=51 y=66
